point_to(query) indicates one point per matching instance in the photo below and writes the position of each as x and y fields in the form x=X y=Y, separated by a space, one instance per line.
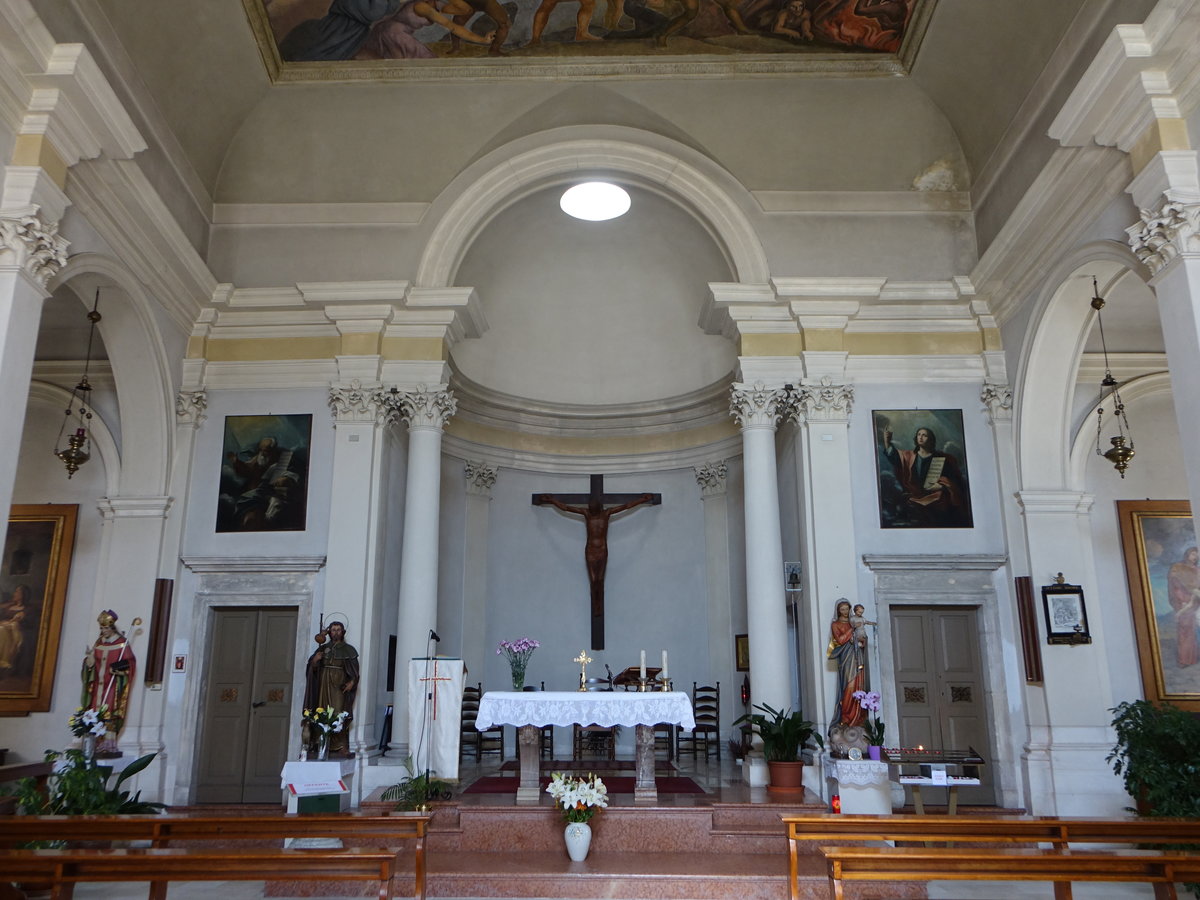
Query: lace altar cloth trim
x=584 y=708
x=860 y=772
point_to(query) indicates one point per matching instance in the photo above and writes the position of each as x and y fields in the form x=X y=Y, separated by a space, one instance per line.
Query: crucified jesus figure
x=595 y=551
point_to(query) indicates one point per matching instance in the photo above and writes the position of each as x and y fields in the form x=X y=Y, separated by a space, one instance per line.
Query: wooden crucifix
x=591 y=506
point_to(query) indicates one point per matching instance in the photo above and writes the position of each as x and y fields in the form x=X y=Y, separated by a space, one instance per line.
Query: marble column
x=352 y=571
x=480 y=479
x=426 y=412
x=823 y=414
x=712 y=477
x=757 y=410
x=1167 y=240
x=31 y=253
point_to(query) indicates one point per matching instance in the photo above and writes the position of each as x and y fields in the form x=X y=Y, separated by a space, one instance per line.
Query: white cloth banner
x=435 y=693
x=605 y=708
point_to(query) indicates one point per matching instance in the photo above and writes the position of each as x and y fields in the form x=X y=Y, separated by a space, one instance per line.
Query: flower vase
x=89 y=748
x=518 y=678
x=874 y=751
x=323 y=745
x=578 y=836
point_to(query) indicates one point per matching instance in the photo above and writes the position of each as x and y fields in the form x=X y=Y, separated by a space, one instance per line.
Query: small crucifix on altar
x=583 y=659
x=595 y=551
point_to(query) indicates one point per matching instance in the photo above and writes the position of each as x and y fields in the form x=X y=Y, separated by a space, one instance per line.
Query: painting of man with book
x=925 y=486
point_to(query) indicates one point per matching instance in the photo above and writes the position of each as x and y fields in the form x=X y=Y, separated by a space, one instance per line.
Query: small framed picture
x=741 y=652
x=1066 y=615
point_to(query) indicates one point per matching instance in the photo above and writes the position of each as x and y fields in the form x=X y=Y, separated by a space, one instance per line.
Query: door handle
x=257 y=703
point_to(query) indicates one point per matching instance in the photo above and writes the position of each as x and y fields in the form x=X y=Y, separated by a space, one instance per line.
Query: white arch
x=1140 y=388
x=641 y=158
x=48 y=396
x=140 y=371
x=1051 y=352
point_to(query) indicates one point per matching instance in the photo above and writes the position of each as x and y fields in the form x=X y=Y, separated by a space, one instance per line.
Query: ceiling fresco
x=323 y=40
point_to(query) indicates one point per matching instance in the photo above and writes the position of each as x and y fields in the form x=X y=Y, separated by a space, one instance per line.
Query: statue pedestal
x=863 y=785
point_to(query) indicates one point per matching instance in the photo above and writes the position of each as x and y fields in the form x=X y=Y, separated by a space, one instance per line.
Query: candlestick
x=664 y=667
x=643 y=666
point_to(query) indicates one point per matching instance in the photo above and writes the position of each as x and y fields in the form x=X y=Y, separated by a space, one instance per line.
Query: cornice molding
x=885 y=562
x=242 y=564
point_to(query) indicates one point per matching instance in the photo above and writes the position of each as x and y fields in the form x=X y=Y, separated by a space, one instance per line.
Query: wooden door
x=247 y=710
x=940 y=688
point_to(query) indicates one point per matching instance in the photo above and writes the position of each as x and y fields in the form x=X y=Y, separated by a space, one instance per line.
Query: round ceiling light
x=595 y=201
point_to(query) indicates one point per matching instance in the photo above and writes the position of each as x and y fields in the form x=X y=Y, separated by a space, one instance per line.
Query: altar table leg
x=644 y=788
x=529 y=751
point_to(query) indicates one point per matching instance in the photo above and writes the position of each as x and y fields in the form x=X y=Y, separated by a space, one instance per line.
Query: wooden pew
x=1054 y=830
x=163 y=829
x=1159 y=867
x=66 y=868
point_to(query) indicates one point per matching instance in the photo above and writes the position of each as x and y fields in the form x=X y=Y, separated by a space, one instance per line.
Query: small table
x=863 y=785
x=950 y=769
x=531 y=711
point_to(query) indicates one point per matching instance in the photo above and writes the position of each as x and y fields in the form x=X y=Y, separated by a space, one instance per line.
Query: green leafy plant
x=1157 y=756
x=783 y=733
x=79 y=787
x=416 y=791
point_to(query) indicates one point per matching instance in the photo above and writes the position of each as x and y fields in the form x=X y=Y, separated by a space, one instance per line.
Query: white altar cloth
x=605 y=708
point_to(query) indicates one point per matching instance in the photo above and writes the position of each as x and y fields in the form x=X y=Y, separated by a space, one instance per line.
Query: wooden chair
x=546 y=738
x=597 y=740
x=706 y=707
x=489 y=741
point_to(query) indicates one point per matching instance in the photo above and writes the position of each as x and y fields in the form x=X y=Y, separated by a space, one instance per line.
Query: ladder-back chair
x=706 y=707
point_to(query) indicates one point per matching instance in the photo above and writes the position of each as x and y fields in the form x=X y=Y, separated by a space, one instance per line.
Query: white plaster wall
x=654 y=589
x=594 y=312
x=987 y=535
x=451 y=560
x=392 y=515
x=1156 y=473
x=41 y=478
x=200 y=537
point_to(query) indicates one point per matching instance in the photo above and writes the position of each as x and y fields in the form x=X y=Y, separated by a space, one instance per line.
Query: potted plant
x=79 y=787
x=414 y=793
x=1156 y=755
x=784 y=734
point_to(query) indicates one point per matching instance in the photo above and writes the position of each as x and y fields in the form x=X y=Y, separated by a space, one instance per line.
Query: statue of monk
x=331 y=682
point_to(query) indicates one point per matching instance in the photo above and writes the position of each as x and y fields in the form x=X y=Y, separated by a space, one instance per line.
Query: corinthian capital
x=481 y=478
x=359 y=403
x=1166 y=232
x=998 y=398
x=190 y=407
x=757 y=405
x=32 y=244
x=712 y=478
x=825 y=402
x=425 y=408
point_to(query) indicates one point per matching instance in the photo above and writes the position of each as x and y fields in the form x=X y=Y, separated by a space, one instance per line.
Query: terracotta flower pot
x=786 y=776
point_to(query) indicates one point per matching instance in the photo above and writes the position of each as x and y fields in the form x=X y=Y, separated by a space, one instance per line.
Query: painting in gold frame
x=33 y=594
x=1159 y=540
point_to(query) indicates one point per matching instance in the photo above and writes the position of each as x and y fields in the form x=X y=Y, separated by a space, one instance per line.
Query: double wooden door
x=940 y=690
x=247 y=707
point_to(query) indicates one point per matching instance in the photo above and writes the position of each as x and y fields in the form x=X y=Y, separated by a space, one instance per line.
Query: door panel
x=246 y=718
x=940 y=689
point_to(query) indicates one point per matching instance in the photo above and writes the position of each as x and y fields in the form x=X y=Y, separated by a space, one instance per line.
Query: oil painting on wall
x=264 y=473
x=922 y=460
x=1162 y=564
x=33 y=592
x=321 y=32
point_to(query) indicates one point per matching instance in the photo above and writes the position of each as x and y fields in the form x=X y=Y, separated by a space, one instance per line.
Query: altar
x=532 y=710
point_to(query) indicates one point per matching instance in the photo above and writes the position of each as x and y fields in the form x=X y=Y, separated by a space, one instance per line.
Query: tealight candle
x=643 y=666
x=664 y=666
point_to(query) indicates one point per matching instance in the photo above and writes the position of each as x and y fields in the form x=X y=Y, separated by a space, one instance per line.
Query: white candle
x=664 y=671
x=643 y=673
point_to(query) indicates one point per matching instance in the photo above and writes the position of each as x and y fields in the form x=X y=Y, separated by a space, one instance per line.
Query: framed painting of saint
x=1162 y=566
x=921 y=456
x=264 y=473
x=33 y=593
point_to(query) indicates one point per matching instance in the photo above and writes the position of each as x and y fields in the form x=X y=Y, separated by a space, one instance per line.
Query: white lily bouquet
x=578 y=798
x=89 y=721
x=326 y=719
